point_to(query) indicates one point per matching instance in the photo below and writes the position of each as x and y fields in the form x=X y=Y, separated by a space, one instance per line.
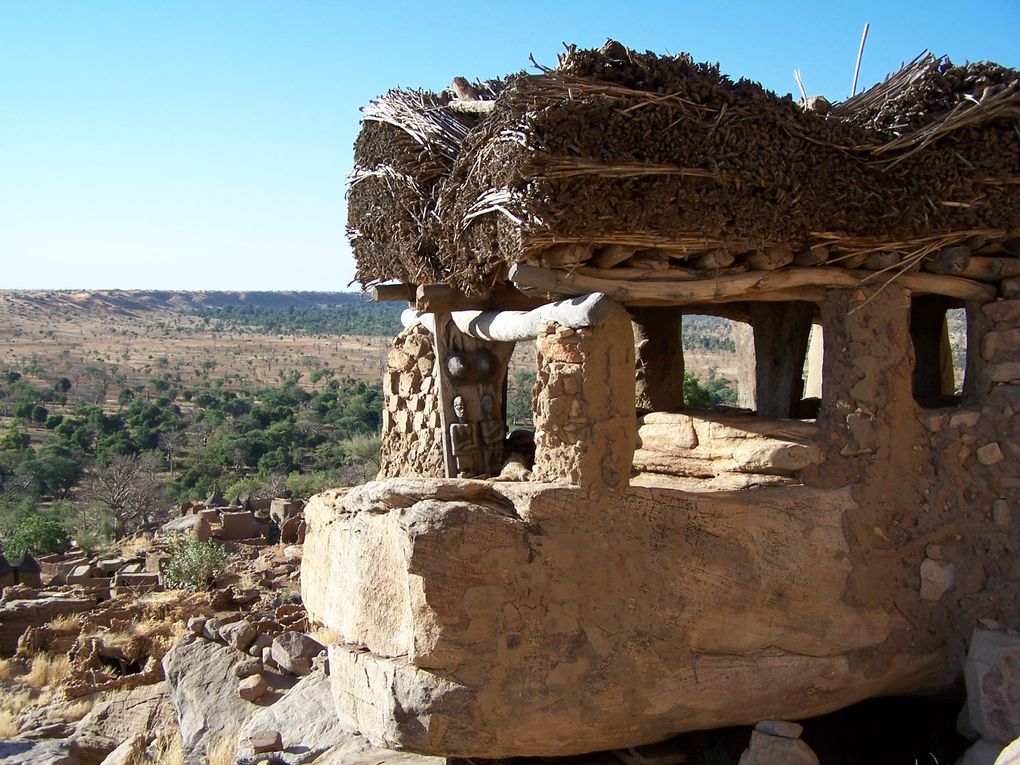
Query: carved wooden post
x=780 y=345
x=659 y=383
x=930 y=335
x=472 y=399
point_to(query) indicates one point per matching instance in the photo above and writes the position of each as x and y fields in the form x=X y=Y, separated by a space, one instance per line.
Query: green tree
x=695 y=395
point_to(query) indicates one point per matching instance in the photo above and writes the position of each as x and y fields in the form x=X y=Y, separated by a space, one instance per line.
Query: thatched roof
x=643 y=161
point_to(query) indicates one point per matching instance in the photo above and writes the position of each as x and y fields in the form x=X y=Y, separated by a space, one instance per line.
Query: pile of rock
x=275 y=642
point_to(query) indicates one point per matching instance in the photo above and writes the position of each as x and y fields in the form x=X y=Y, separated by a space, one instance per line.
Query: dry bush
x=47 y=670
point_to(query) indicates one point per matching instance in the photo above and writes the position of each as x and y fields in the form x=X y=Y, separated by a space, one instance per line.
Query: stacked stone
x=580 y=435
x=412 y=434
x=274 y=642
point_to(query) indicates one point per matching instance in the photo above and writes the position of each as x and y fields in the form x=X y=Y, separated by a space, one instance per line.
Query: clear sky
x=205 y=145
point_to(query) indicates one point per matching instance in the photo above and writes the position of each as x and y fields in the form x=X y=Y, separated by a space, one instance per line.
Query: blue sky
x=204 y=145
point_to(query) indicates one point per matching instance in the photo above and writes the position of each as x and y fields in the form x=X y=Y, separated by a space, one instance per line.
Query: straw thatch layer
x=665 y=154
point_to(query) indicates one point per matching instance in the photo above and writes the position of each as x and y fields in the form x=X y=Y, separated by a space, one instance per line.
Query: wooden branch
x=440 y=298
x=753 y=285
x=992 y=269
x=387 y=292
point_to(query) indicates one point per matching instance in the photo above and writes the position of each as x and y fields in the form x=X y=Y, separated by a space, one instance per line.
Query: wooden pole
x=785 y=284
x=387 y=292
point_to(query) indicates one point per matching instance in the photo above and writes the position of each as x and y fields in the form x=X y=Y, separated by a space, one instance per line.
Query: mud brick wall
x=585 y=429
x=412 y=435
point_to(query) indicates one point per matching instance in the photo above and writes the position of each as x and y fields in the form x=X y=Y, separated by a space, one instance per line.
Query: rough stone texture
x=358 y=751
x=45 y=752
x=708 y=444
x=263 y=741
x=306 y=718
x=992 y=673
x=777 y=750
x=122 y=715
x=16 y=616
x=584 y=405
x=490 y=620
x=412 y=439
x=550 y=586
x=240 y=634
x=239 y=525
x=294 y=651
x=197 y=671
x=252 y=687
x=127 y=753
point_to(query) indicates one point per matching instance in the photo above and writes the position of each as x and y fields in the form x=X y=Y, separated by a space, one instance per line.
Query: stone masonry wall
x=412 y=435
x=585 y=429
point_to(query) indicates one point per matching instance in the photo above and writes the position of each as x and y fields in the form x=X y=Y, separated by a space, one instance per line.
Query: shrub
x=193 y=565
x=38 y=535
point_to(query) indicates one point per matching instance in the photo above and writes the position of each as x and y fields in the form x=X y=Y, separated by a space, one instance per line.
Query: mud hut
x=652 y=569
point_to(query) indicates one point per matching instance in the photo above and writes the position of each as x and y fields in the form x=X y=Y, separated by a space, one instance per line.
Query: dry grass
x=8 y=723
x=73 y=711
x=12 y=703
x=169 y=752
x=47 y=670
x=67 y=623
x=10 y=670
x=223 y=749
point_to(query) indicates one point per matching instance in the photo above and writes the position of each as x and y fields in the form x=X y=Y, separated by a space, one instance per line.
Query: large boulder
x=306 y=719
x=143 y=711
x=294 y=652
x=45 y=752
x=203 y=685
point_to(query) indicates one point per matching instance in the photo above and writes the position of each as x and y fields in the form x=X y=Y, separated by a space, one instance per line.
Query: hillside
x=101 y=337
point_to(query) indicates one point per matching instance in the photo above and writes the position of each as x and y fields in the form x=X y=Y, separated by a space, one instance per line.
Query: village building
x=638 y=568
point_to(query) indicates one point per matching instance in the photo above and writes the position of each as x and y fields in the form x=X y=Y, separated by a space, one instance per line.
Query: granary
x=653 y=569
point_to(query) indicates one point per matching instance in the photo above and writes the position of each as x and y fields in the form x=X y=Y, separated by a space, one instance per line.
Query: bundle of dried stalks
x=617 y=148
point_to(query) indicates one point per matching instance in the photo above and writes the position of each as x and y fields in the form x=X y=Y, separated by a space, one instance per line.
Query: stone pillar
x=411 y=433
x=659 y=359
x=585 y=417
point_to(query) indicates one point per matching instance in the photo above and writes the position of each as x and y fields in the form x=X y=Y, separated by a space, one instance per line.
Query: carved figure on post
x=464 y=441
